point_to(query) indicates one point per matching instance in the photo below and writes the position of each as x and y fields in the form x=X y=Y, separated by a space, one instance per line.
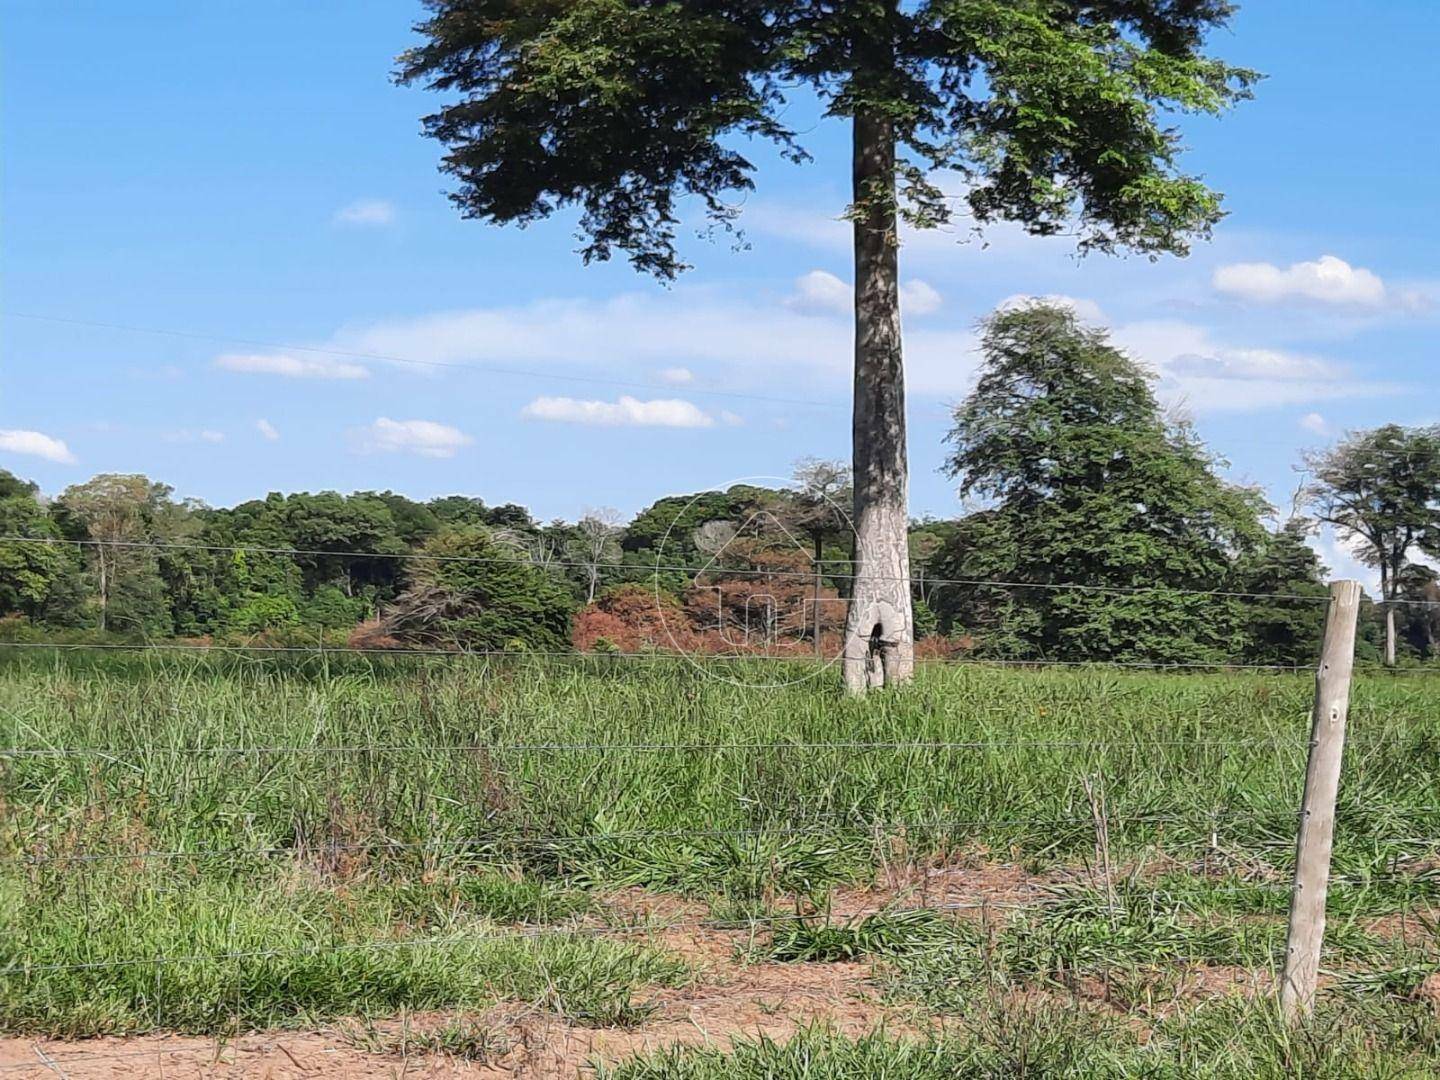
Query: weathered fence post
x=1306 y=934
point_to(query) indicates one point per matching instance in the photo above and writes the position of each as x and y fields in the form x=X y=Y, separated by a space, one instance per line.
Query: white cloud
x=1314 y=422
x=1084 y=310
x=687 y=328
x=292 y=367
x=677 y=376
x=195 y=435
x=267 y=429
x=1212 y=376
x=760 y=347
x=822 y=293
x=919 y=297
x=772 y=348
x=626 y=412
x=36 y=444
x=366 y=212
x=1328 y=280
x=730 y=419
x=1232 y=363
x=424 y=437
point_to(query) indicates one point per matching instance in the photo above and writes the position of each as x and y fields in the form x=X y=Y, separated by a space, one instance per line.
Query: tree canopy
x=1107 y=518
x=466 y=591
x=1052 y=113
x=1381 y=490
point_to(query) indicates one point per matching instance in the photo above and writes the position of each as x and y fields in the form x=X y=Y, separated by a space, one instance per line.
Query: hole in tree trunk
x=877 y=640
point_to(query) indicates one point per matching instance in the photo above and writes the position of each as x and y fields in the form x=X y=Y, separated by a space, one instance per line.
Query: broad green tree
x=1055 y=114
x=32 y=574
x=468 y=591
x=1419 y=617
x=1278 y=628
x=120 y=515
x=1380 y=489
x=1110 y=521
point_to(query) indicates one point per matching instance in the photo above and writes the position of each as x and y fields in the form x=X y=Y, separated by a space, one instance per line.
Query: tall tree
x=1110 y=520
x=1052 y=112
x=120 y=515
x=32 y=574
x=471 y=593
x=1419 y=615
x=1381 y=490
x=821 y=490
x=595 y=544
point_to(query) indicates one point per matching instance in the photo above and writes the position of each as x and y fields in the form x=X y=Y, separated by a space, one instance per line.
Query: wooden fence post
x=1316 y=831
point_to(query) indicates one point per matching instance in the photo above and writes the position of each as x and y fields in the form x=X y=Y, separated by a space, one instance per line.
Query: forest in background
x=1096 y=528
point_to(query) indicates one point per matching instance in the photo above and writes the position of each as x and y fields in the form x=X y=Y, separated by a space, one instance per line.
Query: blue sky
x=245 y=176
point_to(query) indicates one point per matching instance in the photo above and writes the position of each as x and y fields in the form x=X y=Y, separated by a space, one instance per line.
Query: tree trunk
x=879 y=629
x=818 y=559
x=104 y=590
x=1387 y=590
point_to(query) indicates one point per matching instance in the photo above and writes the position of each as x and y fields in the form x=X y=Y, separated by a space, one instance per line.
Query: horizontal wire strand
x=656 y=656
x=1296 y=742
x=835 y=828
x=808 y=575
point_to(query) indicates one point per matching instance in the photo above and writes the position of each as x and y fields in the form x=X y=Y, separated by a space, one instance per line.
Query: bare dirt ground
x=729 y=998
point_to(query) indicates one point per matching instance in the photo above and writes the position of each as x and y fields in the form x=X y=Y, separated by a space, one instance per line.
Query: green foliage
x=116 y=514
x=332 y=609
x=926 y=621
x=1053 y=112
x=32 y=576
x=370 y=833
x=672 y=521
x=1280 y=631
x=811 y=940
x=468 y=591
x=1060 y=1038
x=1381 y=488
x=303 y=954
x=263 y=611
x=1086 y=484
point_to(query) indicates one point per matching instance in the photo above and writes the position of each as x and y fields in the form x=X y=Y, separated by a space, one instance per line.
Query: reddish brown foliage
x=370 y=634
x=939 y=647
x=633 y=618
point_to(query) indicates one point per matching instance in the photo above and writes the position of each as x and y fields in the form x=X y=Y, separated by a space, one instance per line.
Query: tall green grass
x=312 y=804
x=1004 y=1040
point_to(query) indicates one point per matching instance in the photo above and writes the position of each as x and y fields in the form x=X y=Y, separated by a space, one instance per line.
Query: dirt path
x=729 y=999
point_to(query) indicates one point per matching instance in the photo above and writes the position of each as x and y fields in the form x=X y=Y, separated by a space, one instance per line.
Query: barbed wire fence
x=38 y=855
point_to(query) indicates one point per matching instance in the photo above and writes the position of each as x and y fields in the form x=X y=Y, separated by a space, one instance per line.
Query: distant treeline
x=1100 y=530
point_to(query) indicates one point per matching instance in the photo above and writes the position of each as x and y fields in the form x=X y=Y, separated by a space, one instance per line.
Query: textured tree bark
x=879 y=628
x=1387 y=591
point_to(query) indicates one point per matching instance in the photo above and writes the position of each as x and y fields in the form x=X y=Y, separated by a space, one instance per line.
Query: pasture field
x=994 y=872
